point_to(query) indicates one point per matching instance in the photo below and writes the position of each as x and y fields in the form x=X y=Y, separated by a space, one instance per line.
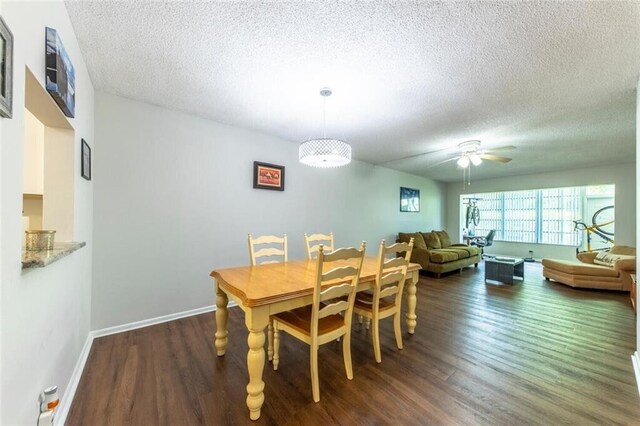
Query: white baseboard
x=635 y=360
x=72 y=386
x=70 y=391
x=152 y=321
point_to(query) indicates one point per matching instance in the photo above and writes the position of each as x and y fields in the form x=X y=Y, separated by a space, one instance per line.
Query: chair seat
x=300 y=320
x=364 y=301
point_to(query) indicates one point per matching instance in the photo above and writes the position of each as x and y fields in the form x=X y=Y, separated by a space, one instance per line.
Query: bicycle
x=602 y=226
x=473 y=212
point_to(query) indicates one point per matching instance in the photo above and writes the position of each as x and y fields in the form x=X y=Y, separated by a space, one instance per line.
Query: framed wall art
x=268 y=176
x=85 y=165
x=60 y=74
x=409 y=200
x=6 y=70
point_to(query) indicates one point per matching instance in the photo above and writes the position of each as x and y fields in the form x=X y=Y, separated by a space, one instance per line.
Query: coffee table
x=503 y=269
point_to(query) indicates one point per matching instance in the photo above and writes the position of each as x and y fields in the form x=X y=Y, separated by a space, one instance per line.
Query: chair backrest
x=267 y=249
x=341 y=270
x=489 y=238
x=392 y=272
x=312 y=243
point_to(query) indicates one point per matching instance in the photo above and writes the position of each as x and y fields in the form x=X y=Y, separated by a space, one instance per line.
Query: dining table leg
x=256 y=320
x=411 y=302
x=222 y=315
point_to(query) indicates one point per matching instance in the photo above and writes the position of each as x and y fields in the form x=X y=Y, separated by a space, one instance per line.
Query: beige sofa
x=435 y=252
x=612 y=272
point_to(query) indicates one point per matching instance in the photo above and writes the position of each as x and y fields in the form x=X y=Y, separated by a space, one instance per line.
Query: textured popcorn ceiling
x=555 y=79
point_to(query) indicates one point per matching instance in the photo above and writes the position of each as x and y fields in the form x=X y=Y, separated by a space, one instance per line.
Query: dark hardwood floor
x=536 y=352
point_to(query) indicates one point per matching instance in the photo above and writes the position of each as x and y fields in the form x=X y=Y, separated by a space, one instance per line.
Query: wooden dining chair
x=329 y=316
x=263 y=250
x=312 y=243
x=267 y=249
x=386 y=298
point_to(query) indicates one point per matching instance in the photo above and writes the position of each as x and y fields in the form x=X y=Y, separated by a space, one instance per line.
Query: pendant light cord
x=324 y=117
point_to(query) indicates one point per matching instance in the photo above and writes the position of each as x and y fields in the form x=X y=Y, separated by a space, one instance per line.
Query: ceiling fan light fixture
x=463 y=161
x=324 y=152
x=475 y=159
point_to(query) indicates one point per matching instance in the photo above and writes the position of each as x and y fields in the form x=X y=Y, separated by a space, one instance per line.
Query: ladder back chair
x=263 y=250
x=329 y=316
x=386 y=299
x=312 y=243
x=271 y=247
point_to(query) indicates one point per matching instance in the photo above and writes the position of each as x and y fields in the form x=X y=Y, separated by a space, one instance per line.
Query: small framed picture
x=6 y=70
x=409 y=200
x=268 y=176
x=86 y=160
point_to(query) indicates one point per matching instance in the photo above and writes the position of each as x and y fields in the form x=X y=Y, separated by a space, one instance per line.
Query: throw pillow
x=601 y=259
x=445 y=240
x=418 y=241
x=431 y=240
x=609 y=259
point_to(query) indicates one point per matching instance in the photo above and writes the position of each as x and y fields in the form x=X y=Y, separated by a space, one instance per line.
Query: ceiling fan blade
x=495 y=158
x=442 y=162
x=416 y=155
x=500 y=148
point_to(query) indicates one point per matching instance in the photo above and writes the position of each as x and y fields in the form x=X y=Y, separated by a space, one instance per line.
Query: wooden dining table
x=264 y=290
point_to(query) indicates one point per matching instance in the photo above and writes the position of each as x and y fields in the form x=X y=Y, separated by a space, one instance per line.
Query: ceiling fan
x=470 y=153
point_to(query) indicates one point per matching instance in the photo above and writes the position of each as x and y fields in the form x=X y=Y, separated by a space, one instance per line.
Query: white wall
x=622 y=176
x=175 y=199
x=45 y=313
x=637 y=215
x=33 y=172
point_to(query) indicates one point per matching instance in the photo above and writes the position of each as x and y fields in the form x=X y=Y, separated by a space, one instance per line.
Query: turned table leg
x=411 y=303
x=256 y=320
x=221 y=321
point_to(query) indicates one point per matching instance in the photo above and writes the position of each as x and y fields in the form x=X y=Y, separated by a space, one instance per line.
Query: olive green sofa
x=435 y=252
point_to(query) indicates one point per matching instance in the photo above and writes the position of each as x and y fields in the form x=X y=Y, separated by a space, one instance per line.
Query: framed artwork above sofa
x=409 y=200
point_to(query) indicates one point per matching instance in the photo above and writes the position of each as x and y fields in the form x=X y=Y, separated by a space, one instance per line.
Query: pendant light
x=325 y=152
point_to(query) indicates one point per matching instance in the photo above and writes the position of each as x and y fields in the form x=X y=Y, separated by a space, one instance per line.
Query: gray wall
x=45 y=312
x=622 y=176
x=174 y=200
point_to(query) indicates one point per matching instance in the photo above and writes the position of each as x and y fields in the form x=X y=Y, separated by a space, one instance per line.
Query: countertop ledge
x=40 y=259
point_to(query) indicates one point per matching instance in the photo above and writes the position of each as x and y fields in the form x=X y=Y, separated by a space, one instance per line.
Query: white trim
x=635 y=360
x=152 y=321
x=72 y=386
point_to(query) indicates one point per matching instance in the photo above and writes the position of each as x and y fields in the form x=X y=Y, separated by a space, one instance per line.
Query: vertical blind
x=490 y=214
x=520 y=216
x=537 y=216
x=560 y=207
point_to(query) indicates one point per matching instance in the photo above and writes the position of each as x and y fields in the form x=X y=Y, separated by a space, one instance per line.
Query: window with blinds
x=542 y=216
x=490 y=214
x=560 y=207
x=520 y=216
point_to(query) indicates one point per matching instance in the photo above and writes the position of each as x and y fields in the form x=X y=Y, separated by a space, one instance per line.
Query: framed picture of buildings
x=60 y=74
